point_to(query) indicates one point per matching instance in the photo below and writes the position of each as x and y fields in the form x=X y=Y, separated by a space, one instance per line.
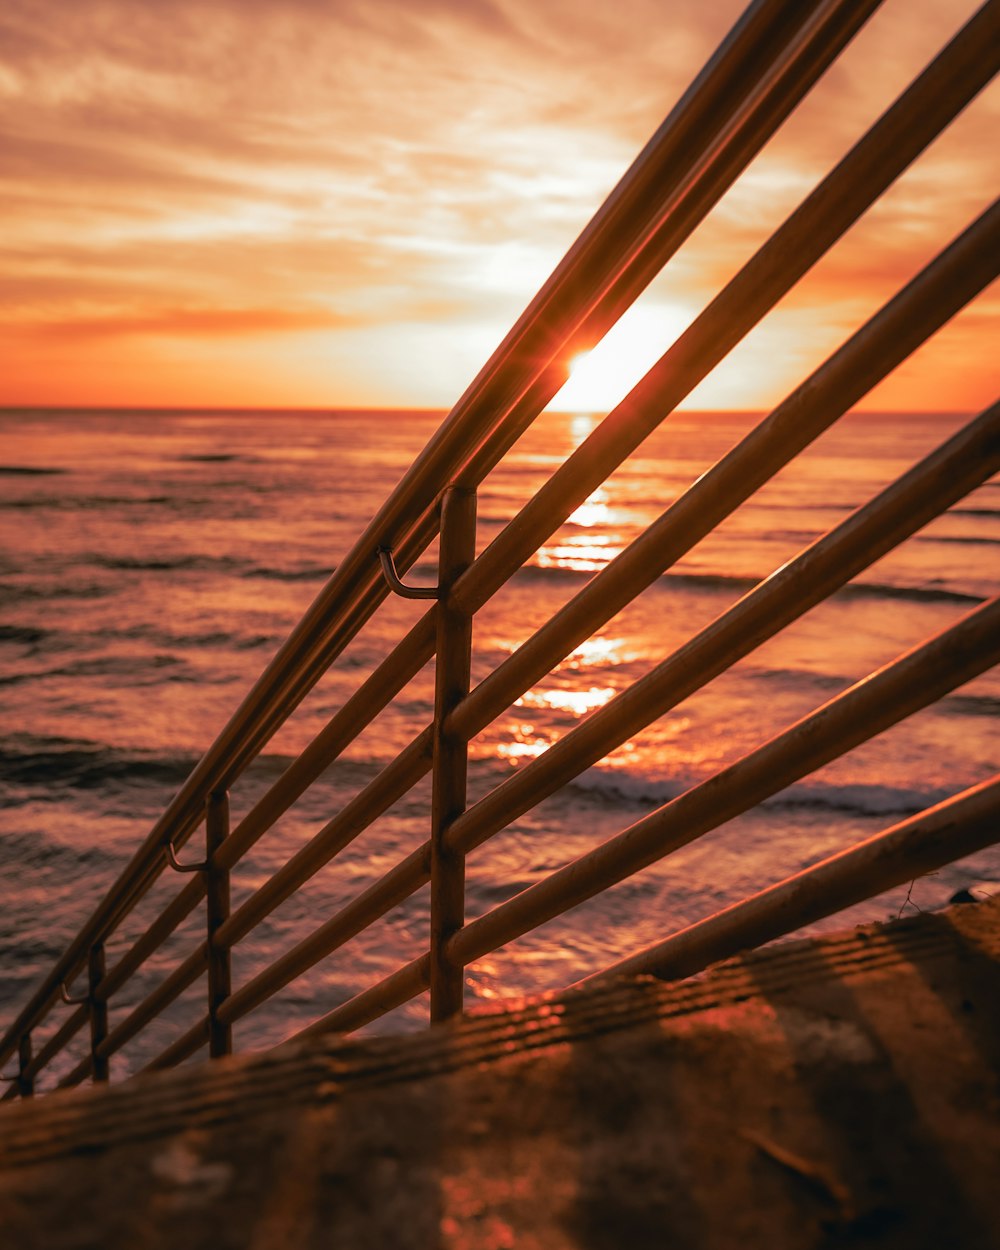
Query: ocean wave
x=175 y=564
x=54 y=764
x=859 y=798
x=732 y=583
x=971 y=540
x=970 y=705
x=139 y=670
x=27 y=635
x=310 y=573
x=213 y=457
x=29 y=470
x=99 y=503
x=49 y=766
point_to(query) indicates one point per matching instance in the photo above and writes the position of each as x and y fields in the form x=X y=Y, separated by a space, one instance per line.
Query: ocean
x=152 y=562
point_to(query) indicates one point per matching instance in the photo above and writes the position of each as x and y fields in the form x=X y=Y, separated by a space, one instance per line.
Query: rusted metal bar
x=451 y=753
x=960 y=826
x=607 y=264
x=220 y=983
x=96 y=968
x=909 y=683
x=963 y=462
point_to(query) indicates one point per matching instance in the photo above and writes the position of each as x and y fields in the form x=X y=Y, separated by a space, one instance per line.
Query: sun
x=601 y=378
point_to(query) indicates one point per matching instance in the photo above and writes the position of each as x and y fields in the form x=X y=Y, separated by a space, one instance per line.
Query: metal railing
x=758 y=76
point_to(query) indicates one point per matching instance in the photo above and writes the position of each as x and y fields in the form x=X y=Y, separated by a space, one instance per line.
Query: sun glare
x=601 y=378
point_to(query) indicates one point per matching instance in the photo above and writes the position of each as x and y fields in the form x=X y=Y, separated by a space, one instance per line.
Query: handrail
x=760 y=73
x=694 y=156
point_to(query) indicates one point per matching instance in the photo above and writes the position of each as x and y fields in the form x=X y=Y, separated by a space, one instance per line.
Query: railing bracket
x=398 y=586
x=69 y=999
x=177 y=866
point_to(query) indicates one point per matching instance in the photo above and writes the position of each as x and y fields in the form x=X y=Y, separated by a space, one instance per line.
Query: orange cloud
x=370 y=194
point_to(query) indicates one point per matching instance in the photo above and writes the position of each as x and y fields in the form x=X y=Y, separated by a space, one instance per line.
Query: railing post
x=220 y=1040
x=25 y=1083
x=98 y=1010
x=454 y=659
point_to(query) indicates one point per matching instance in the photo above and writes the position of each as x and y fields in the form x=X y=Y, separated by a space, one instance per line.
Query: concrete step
x=840 y=1091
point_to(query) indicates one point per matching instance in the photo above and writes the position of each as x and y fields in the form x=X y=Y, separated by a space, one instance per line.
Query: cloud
x=204 y=168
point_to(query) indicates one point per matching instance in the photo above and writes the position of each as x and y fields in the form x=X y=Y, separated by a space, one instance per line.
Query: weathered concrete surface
x=841 y=1092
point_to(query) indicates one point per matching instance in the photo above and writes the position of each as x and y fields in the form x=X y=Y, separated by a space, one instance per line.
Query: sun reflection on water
x=579 y=702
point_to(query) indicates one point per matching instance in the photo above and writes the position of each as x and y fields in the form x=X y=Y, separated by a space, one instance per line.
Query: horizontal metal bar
x=911 y=682
x=960 y=826
x=963 y=462
x=596 y=268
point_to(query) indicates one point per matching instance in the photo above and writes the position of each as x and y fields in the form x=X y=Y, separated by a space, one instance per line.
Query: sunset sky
x=309 y=203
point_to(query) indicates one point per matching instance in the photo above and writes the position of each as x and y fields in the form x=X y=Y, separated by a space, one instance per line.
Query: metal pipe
x=886 y=697
x=78 y=1074
x=183 y=1048
x=63 y=1035
x=917 y=117
x=946 y=475
x=166 y=992
x=943 y=478
x=395 y=582
x=391 y=992
x=96 y=968
x=451 y=753
x=381 y=792
x=176 y=911
x=374 y=694
x=369 y=906
x=25 y=1083
x=960 y=826
x=962 y=463
x=595 y=267
x=926 y=303
x=220 y=982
